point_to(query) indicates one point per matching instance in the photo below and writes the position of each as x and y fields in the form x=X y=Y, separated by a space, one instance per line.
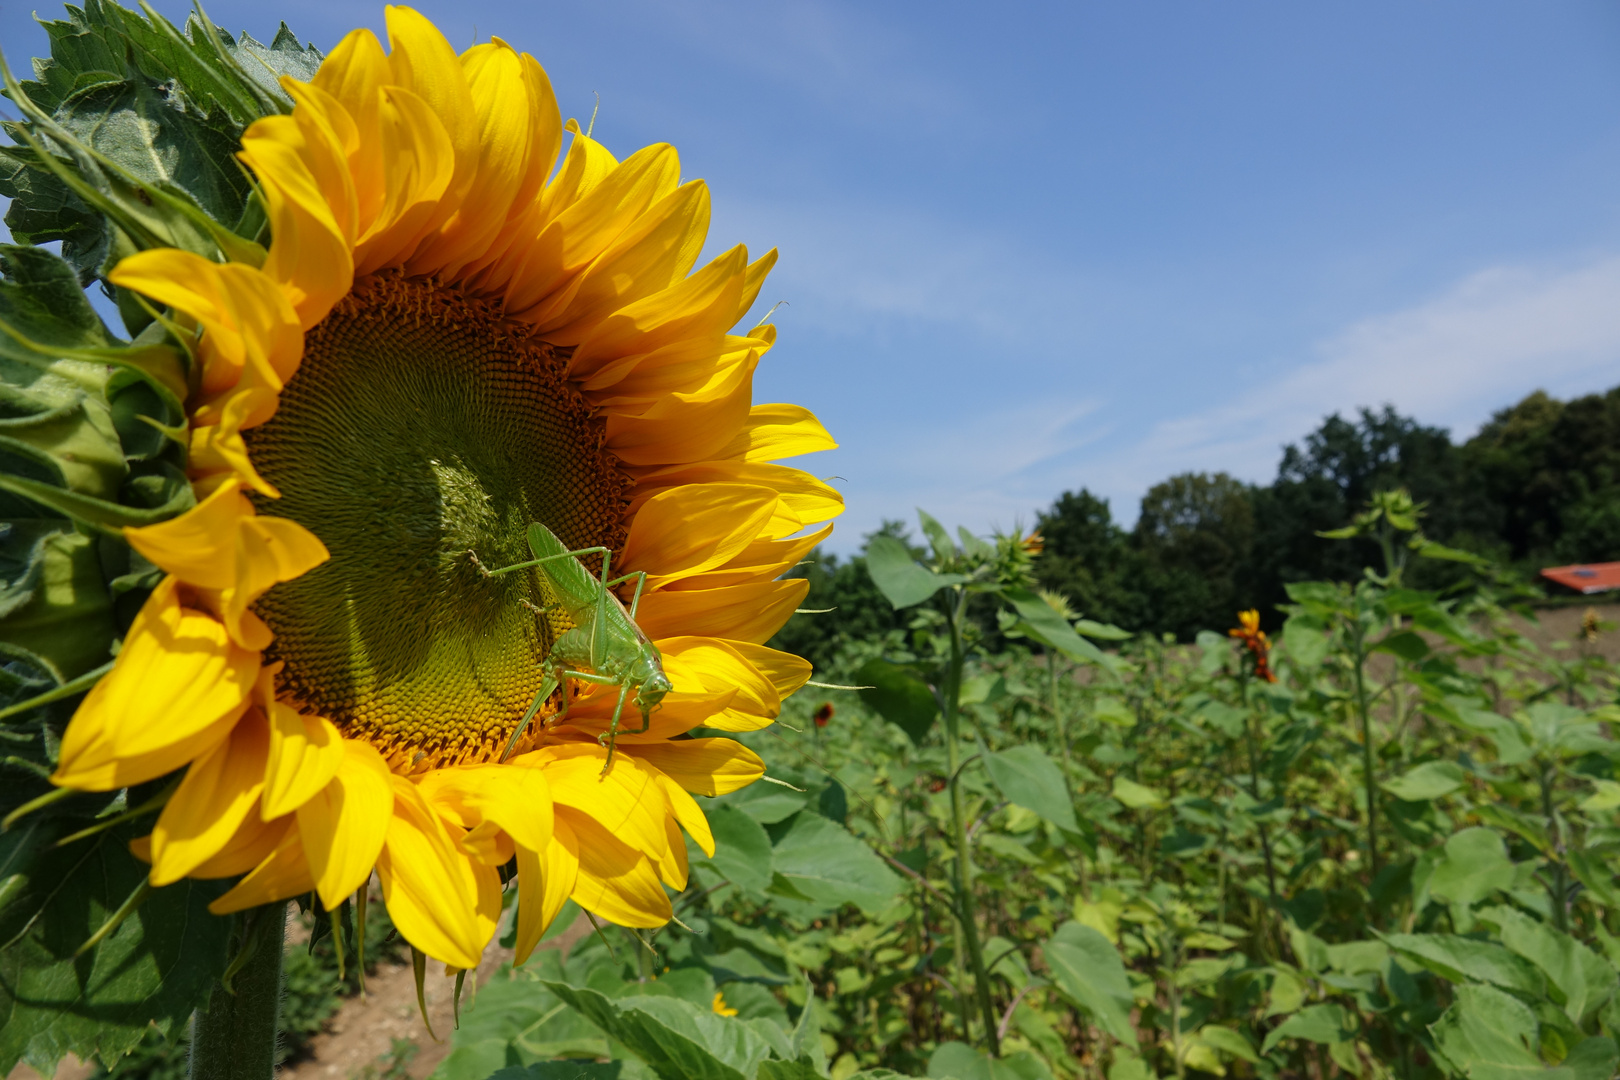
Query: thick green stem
x=967 y=913
x=1254 y=789
x=234 y=1038
x=1560 y=885
x=1364 y=712
x=1059 y=718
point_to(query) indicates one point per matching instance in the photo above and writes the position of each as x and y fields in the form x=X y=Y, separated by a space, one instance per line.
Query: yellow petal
x=677 y=714
x=221 y=544
x=218 y=452
x=254 y=842
x=627 y=801
x=738 y=612
x=756 y=278
x=545 y=880
x=424 y=63
x=615 y=881
x=305 y=754
x=178 y=686
x=419 y=165
x=344 y=824
x=252 y=336
x=672 y=868
x=719 y=665
x=703 y=766
x=491 y=268
x=284 y=873
x=213 y=800
x=698 y=308
x=653 y=254
x=763 y=560
x=687 y=812
x=590 y=204
x=686 y=530
x=432 y=889
x=515 y=797
x=310 y=249
x=353 y=75
x=803 y=499
x=775 y=431
x=505 y=134
x=687 y=426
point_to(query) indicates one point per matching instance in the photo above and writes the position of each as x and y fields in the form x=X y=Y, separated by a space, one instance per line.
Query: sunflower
x=449 y=336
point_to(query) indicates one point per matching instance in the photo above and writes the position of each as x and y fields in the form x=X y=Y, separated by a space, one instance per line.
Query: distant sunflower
x=452 y=337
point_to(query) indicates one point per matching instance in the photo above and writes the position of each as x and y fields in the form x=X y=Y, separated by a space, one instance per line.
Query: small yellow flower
x=1255 y=640
x=720 y=1006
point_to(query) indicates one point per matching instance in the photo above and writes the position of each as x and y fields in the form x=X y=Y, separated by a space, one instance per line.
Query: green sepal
x=97 y=514
x=53 y=599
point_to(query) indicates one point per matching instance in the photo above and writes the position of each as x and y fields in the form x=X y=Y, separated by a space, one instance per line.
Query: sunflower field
x=390 y=534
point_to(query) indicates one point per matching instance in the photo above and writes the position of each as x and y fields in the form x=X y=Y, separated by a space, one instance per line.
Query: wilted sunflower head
x=445 y=330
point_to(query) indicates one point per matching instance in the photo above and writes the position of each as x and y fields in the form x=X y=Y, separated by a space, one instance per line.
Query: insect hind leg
x=610 y=737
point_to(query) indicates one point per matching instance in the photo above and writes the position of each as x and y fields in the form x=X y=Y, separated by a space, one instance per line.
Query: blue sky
x=1036 y=247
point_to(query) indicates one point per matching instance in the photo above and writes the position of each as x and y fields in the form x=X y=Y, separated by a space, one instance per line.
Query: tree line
x=1538 y=485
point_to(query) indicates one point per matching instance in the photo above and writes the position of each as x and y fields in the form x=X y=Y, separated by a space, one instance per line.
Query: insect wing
x=575 y=587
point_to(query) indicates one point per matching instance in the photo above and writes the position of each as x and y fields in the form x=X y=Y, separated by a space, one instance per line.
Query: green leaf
x=676 y=1039
x=1327 y=1024
x=1087 y=970
x=1136 y=796
x=1404 y=644
x=1488 y=1034
x=1228 y=1041
x=1583 y=979
x=135 y=124
x=899 y=695
x=959 y=1061
x=938 y=538
x=1509 y=737
x=1029 y=778
x=1592 y=1059
x=1051 y=628
x=1598 y=875
x=825 y=863
x=1431 y=780
x=1428 y=549
x=766 y=803
x=152 y=971
x=1459 y=960
x=577 y=1069
x=742 y=850
x=53 y=596
x=1475 y=865
x=898 y=576
x=1101 y=631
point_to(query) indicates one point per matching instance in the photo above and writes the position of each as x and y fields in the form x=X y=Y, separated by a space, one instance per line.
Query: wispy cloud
x=1452 y=360
x=990 y=471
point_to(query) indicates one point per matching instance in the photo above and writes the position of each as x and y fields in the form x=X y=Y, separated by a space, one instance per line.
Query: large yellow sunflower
x=452 y=337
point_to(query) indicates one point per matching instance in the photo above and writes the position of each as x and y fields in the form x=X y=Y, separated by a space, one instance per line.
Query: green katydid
x=604 y=647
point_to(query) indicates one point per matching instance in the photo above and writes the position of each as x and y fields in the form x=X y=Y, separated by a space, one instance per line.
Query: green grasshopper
x=604 y=647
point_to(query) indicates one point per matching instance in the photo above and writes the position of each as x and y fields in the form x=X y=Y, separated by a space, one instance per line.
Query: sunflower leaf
x=676 y=1039
x=152 y=971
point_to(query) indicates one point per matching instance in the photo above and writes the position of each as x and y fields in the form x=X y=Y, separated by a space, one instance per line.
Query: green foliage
x=1539 y=484
x=1396 y=861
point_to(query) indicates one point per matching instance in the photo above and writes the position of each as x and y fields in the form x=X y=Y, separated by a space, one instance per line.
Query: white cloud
x=985 y=472
x=1450 y=361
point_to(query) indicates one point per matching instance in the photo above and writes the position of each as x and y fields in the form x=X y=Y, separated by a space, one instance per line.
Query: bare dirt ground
x=363 y=1031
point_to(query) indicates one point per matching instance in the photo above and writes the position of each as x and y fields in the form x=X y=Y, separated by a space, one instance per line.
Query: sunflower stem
x=234 y=1038
x=967 y=916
